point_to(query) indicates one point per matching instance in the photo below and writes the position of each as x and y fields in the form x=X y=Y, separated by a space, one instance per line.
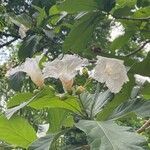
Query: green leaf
x=143 y=3
x=81 y=33
x=21 y=19
x=56 y=118
x=109 y=136
x=16 y=81
x=121 y=12
x=29 y=47
x=24 y=97
x=129 y=3
x=41 y=14
x=70 y=103
x=73 y=6
x=142 y=67
x=43 y=143
x=11 y=111
x=106 y=5
x=120 y=41
x=142 y=13
x=93 y=103
x=25 y=102
x=146 y=91
x=18 y=99
x=138 y=106
x=16 y=131
x=122 y=96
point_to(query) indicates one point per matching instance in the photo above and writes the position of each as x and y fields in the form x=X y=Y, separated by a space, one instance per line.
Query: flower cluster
x=110 y=71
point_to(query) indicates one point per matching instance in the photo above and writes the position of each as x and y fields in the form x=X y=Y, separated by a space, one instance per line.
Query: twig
x=8 y=34
x=145 y=126
x=8 y=43
x=140 y=48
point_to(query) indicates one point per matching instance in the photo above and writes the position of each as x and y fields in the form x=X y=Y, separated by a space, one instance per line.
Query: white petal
x=112 y=72
x=65 y=69
x=31 y=67
x=42 y=130
x=12 y=71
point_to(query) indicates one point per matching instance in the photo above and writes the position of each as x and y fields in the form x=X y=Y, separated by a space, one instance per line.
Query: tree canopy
x=77 y=76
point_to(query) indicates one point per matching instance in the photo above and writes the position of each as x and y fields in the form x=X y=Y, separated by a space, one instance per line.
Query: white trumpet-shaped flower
x=65 y=69
x=31 y=67
x=112 y=72
x=22 y=31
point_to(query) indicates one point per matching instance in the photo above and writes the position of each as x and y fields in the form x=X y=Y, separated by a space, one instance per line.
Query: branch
x=7 y=35
x=145 y=126
x=8 y=43
x=134 y=19
x=140 y=48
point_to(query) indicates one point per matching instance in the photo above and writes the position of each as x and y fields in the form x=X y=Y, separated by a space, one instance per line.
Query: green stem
x=87 y=82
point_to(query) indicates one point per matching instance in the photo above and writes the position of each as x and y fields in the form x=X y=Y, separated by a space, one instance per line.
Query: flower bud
x=80 y=89
x=85 y=72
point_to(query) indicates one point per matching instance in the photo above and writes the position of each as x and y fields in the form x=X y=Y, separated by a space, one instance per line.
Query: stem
x=8 y=34
x=87 y=82
x=8 y=43
x=134 y=19
x=140 y=48
x=146 y=125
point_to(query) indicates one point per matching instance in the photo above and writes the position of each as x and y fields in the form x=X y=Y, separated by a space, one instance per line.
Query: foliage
x=88 y=115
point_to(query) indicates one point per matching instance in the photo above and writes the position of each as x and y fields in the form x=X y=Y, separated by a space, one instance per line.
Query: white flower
x=31 y=67
x=112 y=72
x=22 y=31
x=140 y=80
x=65 y=69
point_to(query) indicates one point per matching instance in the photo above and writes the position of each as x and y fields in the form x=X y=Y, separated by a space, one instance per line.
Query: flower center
x=108 y=70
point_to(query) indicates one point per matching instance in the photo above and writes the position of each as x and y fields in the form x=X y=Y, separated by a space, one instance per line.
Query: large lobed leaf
x=81 y=33
x=142 y=67
x=43 y=143
x=21 y=100
x=120 y=41
x=138 y=106
x=29 y=47
x=93 y=103
x=57 y=118
x=118 y=99
x=45 y=98
x=16 y=81
x=70 y=103
x=21 y=19
x=16 y=131
x=146 y=91
x=73 y=6
x=109 y=136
